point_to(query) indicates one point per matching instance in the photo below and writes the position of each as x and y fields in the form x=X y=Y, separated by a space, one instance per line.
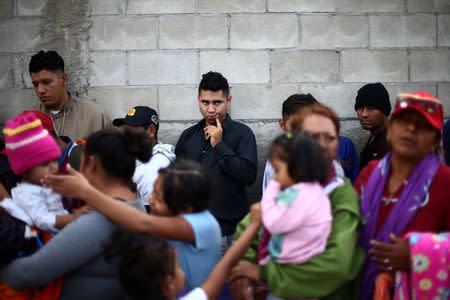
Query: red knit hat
x=426 y=104
x=28 y=144
x=45 y=119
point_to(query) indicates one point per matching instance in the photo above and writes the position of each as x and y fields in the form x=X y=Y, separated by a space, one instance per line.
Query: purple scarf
x=401 y=215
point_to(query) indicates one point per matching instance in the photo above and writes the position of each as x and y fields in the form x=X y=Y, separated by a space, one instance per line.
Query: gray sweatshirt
x=76 y=254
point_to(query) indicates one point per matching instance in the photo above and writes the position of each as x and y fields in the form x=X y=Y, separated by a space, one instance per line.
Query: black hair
x=304 y=157
x=214 y=81
x=294 y=102
x=145 y=262
x=118 y=150
x=186 y=184
x=50 y=61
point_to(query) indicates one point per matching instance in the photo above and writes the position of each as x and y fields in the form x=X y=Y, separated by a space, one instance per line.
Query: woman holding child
x=326 y=275
x=76 y=252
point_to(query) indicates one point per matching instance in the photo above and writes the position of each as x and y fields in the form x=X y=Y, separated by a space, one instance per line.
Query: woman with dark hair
x=331 y=273
x=76 y=253
x=406 y=190
x=179 y=212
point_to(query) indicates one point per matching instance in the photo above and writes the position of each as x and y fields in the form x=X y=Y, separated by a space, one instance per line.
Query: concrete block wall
x=121 y=53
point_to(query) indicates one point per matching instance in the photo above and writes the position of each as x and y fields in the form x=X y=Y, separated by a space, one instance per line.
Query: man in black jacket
x=226 y=147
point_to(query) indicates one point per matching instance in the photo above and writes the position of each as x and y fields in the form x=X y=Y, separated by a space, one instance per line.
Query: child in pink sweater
x=296 y=211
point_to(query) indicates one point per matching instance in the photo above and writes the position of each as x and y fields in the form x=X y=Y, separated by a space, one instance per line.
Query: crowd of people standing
x=88 y=211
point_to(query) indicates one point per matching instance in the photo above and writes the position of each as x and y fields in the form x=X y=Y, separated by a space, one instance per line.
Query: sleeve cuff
x=262 y=274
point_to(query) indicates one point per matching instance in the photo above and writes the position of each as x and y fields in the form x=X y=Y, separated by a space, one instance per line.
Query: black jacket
x=233 y=161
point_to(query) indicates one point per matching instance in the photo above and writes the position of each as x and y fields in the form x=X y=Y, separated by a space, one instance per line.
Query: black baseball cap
x=139 y=116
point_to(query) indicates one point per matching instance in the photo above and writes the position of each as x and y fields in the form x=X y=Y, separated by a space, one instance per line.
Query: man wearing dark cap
x=146 y=118
x=373 y=107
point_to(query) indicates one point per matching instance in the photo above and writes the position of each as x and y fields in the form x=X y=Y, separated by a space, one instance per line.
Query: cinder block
x=107 y=69
x=394 y=90
x=237 y=66
x=301 y=6
x=117 y=102
x=231 y=6
x=444 y=95
x=371 y=6
x=160 y=6
x=432 y=65
x=6 y=8
x=353 y=130
x=264 y=31
x=444 y=30
x=25 y=74
x=178 y=103
x=193 y=31
x=305 y=66
x=148 y=68
x=265 y=133
x=7 y=74
x=169 y=132
x=31 y=7
x=123 y=33
x=439 y=6
x=374 y=65
x=347 y=31
x=105 y=7
x=259 y=101
x=339 y=97
x=15 y=101
x=403 y=31
x=21 y=35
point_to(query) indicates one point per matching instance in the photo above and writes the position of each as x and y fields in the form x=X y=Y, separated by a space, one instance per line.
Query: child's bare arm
x=3 y=192
x=74 y=185
x=219 y=275
x=63 y=220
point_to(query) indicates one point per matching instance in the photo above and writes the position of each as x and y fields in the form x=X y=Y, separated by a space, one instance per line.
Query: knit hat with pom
x=28 y=144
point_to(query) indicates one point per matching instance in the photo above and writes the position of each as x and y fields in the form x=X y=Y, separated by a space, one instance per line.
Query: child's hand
x=83 y=210
x=255 y=214
x=242 y=289
x=72 y=185
x=245 y=269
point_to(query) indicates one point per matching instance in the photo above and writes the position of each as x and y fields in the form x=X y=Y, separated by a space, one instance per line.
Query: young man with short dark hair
x=70 y=116
x=226 y=147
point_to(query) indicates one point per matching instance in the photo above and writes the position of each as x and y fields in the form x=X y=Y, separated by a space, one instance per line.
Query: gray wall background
x=121 y=53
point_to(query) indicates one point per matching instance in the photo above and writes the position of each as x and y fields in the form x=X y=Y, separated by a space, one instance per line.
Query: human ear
x=168 y=287
x=151 y=131
x=282 y=124
x=64 y=79
x=388 y=130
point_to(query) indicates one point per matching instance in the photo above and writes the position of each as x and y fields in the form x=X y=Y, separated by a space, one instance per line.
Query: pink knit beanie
x=28 y=144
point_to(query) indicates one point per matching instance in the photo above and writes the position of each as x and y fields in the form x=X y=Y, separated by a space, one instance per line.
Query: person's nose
x=150 y=200
x=411 y=125
x=365 y=112
x=41 y=89
x=211 y=108
x=54 y=167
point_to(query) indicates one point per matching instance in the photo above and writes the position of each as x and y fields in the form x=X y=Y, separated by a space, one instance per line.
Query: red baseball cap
x=426 y=104
x=45 y=119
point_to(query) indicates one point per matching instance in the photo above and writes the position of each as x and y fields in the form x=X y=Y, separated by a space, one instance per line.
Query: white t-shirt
x=195 y=294
x=146 y=173
x=35 y=205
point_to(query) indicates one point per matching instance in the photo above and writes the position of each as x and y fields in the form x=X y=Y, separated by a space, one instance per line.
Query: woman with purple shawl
x=407 y=190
